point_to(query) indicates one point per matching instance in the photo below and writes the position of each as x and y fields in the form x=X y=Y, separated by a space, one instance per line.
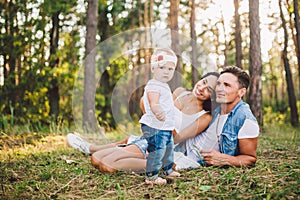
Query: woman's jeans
x=160 y=149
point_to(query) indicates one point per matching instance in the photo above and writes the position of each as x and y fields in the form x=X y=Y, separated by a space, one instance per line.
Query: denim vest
x=236 y=118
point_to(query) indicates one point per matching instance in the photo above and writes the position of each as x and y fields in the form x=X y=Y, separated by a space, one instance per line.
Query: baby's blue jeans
x=160 y=149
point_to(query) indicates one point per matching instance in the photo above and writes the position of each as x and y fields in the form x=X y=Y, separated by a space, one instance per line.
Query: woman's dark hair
x=210 y=104
x=207 y=105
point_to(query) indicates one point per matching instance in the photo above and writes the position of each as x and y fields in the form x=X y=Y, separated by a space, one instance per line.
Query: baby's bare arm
x=153 y=98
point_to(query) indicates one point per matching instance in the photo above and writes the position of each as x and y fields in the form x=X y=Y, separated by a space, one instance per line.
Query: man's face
x=227 y=89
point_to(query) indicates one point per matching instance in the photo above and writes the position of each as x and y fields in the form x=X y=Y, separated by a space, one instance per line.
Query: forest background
x=81 y=65
x=44 y=45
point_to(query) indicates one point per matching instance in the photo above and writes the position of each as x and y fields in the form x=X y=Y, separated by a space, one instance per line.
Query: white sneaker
x=78 y=143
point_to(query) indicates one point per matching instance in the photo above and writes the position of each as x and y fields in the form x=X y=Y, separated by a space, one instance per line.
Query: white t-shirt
x=166 y=103
x=208 y=139
x=183 y=120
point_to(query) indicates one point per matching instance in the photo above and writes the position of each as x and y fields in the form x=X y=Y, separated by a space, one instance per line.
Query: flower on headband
x=160 y=58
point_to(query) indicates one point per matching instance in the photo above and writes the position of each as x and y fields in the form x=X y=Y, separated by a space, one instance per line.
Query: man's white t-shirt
x=209 y=139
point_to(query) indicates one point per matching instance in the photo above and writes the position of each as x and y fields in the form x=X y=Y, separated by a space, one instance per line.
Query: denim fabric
x=236 y=118
x=181 y=147
x=160 y=149
x=142 y=144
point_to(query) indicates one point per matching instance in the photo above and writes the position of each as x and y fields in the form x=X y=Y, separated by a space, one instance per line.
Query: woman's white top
x=183 y=120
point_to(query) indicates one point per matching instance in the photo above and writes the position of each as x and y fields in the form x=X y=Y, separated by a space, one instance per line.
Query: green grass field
x=42 y=166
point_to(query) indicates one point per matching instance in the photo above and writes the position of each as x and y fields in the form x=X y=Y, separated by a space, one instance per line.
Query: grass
x=42 y=166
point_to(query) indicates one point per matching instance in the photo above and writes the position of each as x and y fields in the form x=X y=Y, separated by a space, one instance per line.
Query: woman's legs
x=75 y=141
x=94 y=148
x=119 y=158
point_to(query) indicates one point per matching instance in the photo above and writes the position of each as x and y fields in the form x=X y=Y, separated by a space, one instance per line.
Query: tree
x=238 y=37
x=255 y=93
x=9 y=50
x=297 y=26
x=288 y=75
x=53 y=89
x=226 y=42
x=195 y=73
x=55 y=10
x=174 y=9
x=89 y=118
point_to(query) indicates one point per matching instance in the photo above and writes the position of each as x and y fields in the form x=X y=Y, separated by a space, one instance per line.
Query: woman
x=192 y=118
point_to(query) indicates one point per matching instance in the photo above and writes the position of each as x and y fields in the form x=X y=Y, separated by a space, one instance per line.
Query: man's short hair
x=243 y=77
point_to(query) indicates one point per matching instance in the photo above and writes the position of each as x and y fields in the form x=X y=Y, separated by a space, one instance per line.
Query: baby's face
x=164 y=73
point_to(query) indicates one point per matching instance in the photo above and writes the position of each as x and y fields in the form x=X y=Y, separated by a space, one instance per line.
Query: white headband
x=162 y=58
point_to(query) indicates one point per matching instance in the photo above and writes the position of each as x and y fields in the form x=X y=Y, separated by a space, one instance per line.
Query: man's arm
x=247 y=155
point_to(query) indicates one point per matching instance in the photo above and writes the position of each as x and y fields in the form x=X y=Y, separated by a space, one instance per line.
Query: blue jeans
x=160 y=149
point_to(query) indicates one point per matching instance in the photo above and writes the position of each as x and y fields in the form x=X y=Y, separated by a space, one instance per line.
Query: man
x=238 y=136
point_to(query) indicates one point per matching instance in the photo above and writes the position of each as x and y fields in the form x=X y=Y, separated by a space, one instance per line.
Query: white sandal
x=157 y=181
x=174 y=174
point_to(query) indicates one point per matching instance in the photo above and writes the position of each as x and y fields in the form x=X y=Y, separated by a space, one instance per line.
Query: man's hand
x=213 y=157
x=247 y=156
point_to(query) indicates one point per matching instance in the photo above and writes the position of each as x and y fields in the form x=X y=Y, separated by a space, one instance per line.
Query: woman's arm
x=175 y=94
x=194 y=129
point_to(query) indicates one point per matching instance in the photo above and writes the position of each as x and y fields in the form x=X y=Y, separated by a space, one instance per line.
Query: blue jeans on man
x=160 y=149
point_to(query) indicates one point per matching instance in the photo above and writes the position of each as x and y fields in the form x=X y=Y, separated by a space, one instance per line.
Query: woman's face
x=203 y=88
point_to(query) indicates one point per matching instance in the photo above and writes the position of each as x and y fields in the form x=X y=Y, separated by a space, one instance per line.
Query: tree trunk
x=238 y=37
x=195 y=73
x=226 y=44
x=273 y=92
x=89 y=119
x=177 y=79
x=297 y=26
x=9 y=56
x=140 y=18
x=151 y=13
x=53 y=89
x=288 y=75
x=146 y=20
x=255 y=93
